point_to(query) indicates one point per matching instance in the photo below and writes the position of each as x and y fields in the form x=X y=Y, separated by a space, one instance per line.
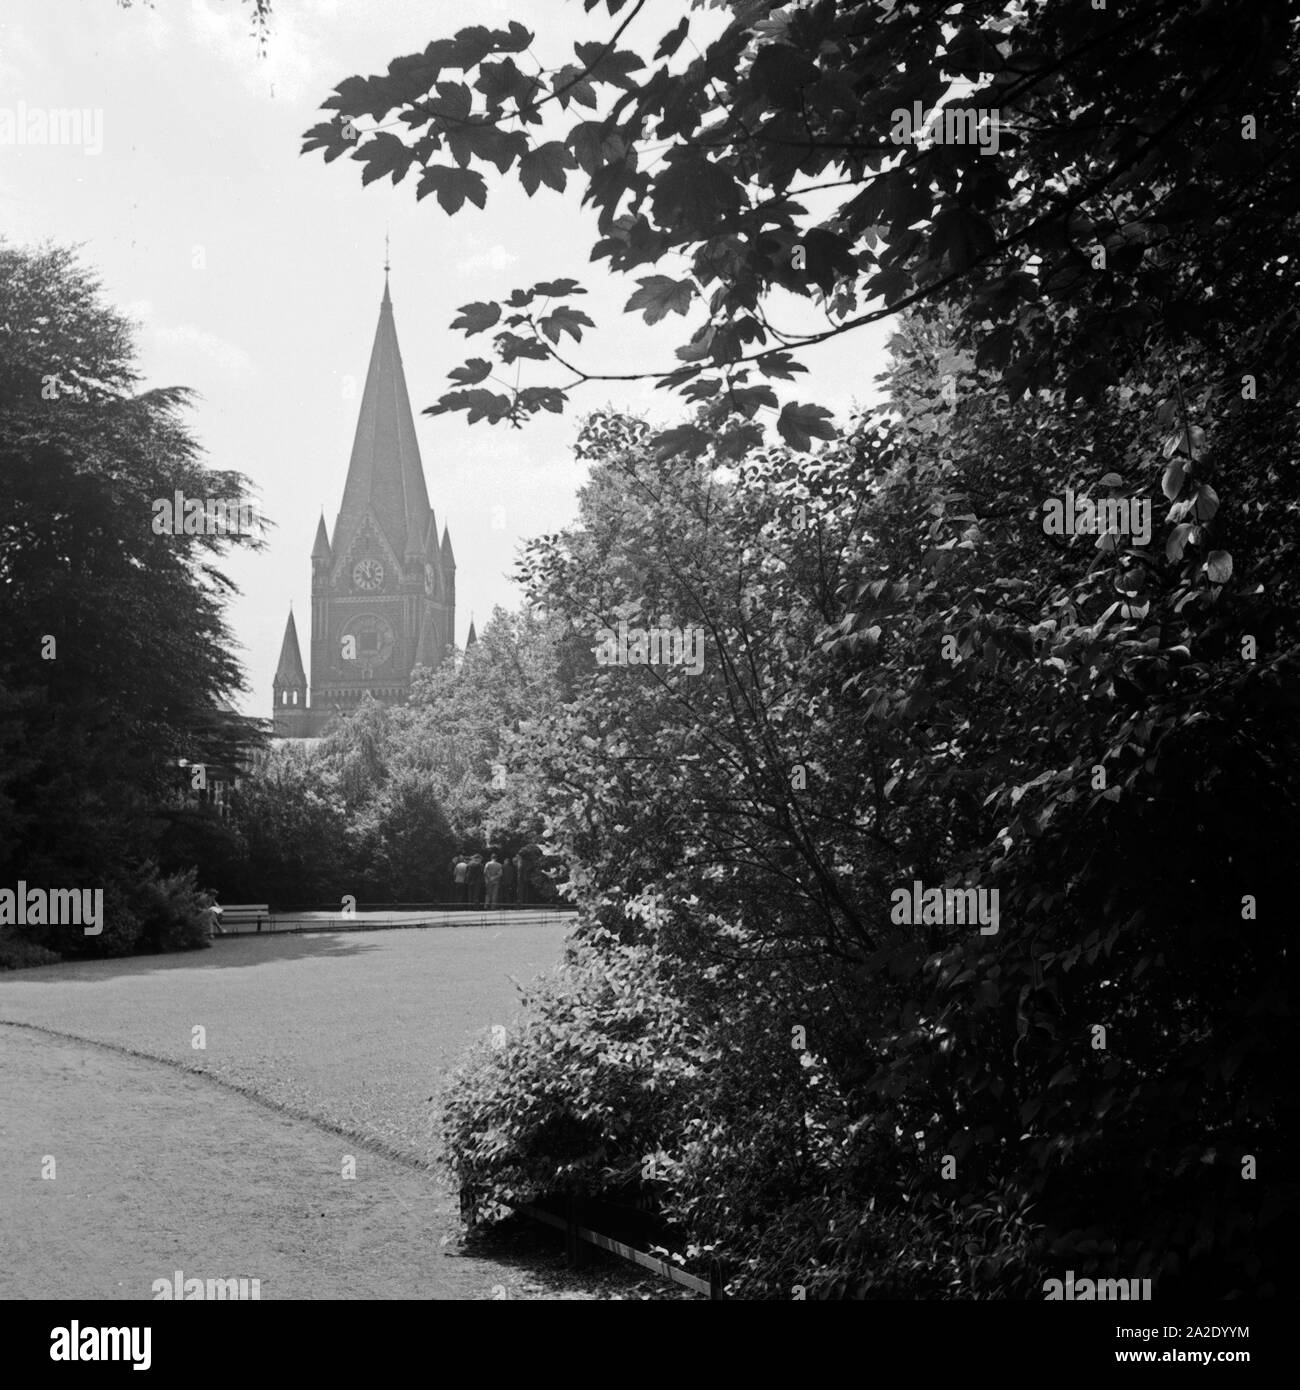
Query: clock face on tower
x=368 y=575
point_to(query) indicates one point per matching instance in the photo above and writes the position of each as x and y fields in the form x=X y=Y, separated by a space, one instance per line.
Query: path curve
x=228 y=1162
x=157 y=1169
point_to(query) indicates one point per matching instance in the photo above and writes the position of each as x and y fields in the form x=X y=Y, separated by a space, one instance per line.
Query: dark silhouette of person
x=475 y=881
x=527 y=859
x=460 y=881
x=509 y=879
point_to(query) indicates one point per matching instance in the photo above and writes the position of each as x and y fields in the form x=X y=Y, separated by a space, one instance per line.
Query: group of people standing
x=499 y=880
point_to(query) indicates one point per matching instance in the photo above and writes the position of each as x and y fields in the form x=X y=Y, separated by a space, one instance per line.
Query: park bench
x=239 y=914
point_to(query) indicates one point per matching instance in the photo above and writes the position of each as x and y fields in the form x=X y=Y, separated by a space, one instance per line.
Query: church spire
x=472 y=639
x=384 y=572
x=385 y=475
x=321 y=549
x=289 y=674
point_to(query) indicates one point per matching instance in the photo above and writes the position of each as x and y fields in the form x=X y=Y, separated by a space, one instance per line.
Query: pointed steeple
x=385 y=520
x=290 y=672
x=289 y=685
x=472 y=639
x=385 y=474
x=321 y=549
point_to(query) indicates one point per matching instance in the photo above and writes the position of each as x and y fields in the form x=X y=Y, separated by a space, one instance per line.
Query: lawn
x=157 y=1169
x=355 y=1030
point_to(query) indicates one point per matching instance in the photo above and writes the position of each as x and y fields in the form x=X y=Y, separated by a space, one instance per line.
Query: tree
x=1081 y=183
x=758 y=905
x=93 y=595
x=721 y=825
x=466 y=727
x=1091 y=244
x=402 y=843
x=291 y=813
x=681 y=779
x=1058 y=751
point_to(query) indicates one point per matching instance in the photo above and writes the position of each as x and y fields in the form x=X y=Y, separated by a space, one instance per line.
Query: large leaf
x=659 y=295
x=570 y=83
x=1177 y=541
x=512 y=346
x=453 y=187
x=799 y=424
x=565 y=320
x=1206 y=504
x=612 y=66
x=686 y=440
x=480 y=404
x=535 y=398
x=557 y=289
x=488 y=143
x=502 y=82
x=1218 y=566
x=545 y=165
x=476 y=317
x=384 y=153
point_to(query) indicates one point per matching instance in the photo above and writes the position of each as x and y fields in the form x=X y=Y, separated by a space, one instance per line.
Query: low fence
x=292 y=909
x=575 y=1234
x=388 y=916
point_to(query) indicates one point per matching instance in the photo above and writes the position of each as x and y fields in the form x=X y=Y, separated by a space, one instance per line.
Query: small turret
x=289 y=688
x=322 y=559
x=321 y=549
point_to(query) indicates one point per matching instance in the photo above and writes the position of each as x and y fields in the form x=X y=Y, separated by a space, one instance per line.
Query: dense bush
x=596 y=1077
x=143 y=911
x=17 y=953
x=1094 y=1085
x=173 y=912
x=619 y=1084
x=401 y=844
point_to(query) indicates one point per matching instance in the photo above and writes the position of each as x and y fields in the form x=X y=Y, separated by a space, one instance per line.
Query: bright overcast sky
x=200 y=150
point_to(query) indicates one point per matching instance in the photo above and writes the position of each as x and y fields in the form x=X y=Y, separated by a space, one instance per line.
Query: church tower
x=383 y=589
